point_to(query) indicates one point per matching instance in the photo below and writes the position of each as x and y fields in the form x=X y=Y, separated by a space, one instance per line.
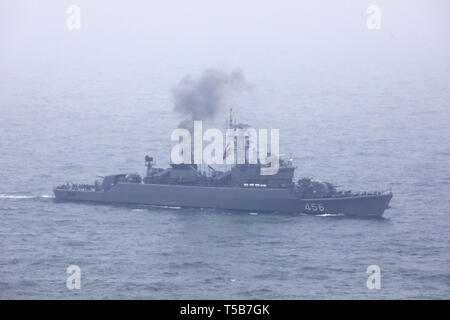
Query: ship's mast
x=230 y=120
x=230 y=125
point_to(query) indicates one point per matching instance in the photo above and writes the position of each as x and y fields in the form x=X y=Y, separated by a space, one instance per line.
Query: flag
x=227 y=151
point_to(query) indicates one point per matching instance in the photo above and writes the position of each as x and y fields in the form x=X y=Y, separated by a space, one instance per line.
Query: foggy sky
x=35 y=31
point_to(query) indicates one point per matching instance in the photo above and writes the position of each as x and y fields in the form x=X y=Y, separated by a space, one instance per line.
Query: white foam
x=22 y=196
x=11 y=196
x=164 y=207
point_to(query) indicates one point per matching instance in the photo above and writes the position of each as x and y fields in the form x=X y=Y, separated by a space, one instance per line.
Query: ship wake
x=22 y=196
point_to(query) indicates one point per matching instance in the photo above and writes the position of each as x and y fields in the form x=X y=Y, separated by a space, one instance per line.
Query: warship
x=241 y=188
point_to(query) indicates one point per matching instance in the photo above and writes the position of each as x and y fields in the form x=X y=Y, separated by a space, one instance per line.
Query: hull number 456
x=314 y=207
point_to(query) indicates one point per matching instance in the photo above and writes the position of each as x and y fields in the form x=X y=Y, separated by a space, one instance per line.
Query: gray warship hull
x=232 y=198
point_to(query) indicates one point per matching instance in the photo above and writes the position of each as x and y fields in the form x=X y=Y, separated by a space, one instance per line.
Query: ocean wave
x=165 y=207
x=22 y=196
x=12 y=196
x=47 y=196
x=329 y=215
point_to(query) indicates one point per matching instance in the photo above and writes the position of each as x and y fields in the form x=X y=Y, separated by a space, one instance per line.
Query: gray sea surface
x=73 y=110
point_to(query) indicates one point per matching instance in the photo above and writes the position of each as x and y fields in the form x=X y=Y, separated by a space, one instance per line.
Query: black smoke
x=203 y=98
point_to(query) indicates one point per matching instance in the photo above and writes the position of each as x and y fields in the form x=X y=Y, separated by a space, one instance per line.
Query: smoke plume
x=204 y=98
